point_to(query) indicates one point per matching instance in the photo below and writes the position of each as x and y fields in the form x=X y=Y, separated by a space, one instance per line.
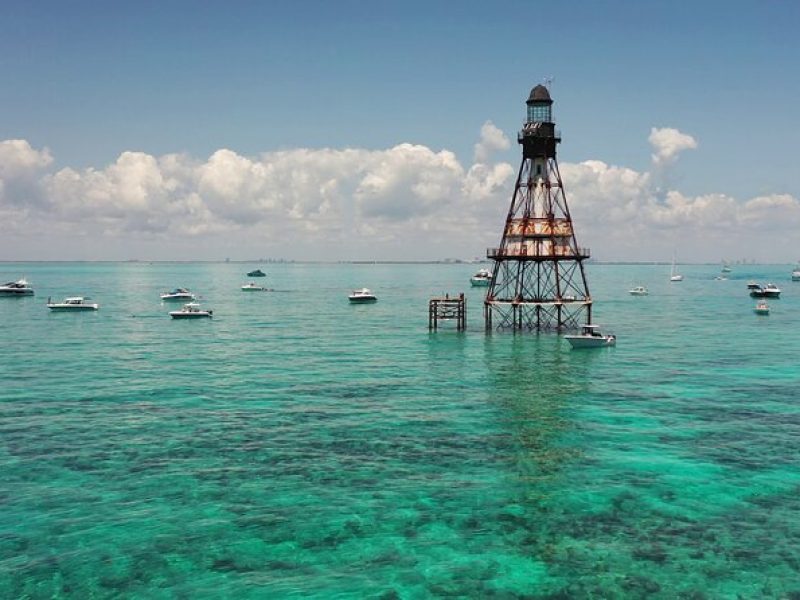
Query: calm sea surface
x=297 y=446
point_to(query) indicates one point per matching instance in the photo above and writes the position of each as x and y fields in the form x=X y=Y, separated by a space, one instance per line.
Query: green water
x=297 y=446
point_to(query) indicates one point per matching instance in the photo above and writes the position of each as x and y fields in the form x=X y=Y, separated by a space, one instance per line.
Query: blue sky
x=89 y=81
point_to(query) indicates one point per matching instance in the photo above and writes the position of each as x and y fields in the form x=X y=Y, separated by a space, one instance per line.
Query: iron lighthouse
x=538 y=282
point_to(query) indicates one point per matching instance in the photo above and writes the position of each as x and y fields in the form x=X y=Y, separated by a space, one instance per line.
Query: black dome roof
x=539 y=94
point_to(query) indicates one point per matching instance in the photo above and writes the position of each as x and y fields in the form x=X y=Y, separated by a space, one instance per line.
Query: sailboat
x=673 y=276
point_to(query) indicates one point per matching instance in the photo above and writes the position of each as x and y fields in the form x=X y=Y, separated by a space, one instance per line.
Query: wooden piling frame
x=446 y=309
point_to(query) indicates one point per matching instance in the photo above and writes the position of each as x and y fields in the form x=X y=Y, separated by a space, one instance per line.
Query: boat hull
x=73 y=308
x=479 y=282
x=187 y=315
x=590 y=341
x=365 y=300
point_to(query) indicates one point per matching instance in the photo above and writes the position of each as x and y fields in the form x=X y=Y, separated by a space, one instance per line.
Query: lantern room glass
x=541 y=113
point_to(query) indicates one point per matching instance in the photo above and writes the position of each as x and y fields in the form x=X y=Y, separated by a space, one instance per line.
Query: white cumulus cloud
x=668 y=143
x=405 y=199
x=492 y=140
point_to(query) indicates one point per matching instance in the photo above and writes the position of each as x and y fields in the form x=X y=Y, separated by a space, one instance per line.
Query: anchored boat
x=591 y=337
x=767 y=291
x=762 y=308
x=16 y=288
x=177 y=294
x=482 y=278
x=75 y=304
x=191 y=310
x=362 y=296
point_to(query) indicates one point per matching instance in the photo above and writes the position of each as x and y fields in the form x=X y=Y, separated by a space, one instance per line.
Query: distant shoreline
x=362 y=262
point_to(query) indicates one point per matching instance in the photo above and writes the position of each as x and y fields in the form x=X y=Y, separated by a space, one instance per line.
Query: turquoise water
x=297 y=446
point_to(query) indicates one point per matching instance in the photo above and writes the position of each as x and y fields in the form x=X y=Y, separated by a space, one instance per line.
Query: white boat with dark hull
x=796 y=274
x=639 y=290
x=765 y=291
x=591 y=337
x=191 y=310
x=20 y=287
x=362 y=296
x=178 y=294
x=253 y=287
x=481 y=279
x=73 y=304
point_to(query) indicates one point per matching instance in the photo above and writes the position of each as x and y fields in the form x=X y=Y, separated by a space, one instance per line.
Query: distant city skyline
x=323 y=131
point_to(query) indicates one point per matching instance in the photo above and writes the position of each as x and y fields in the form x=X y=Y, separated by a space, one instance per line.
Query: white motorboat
x=482 y=278
x=796 y=274
x=752 y=285
x=20 y=287
x=75 y=303
x=762 y=308
x=181 y=294
x=191 y=310
x=591 y=337
x=253 y=287
x=765 y=291
x=362 y=296
x=639 y=290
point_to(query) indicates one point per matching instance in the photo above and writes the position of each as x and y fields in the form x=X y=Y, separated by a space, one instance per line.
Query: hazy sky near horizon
x=349 y=130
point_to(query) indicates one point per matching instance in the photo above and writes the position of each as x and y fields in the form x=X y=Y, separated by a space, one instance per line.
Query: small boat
x=482 y=278
x=762 y=308
x=16 y=288
x=796 y=274
x=191 y=310
x=766 y=291
x=673 y=276
x=257 y=273
x=362 y=296
x=177 y=294
x=76 y=304
x=725 y=268
x=752 y=285
x=720 y=278
x=591 y=337
x=253 y=287
x=639 y=290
